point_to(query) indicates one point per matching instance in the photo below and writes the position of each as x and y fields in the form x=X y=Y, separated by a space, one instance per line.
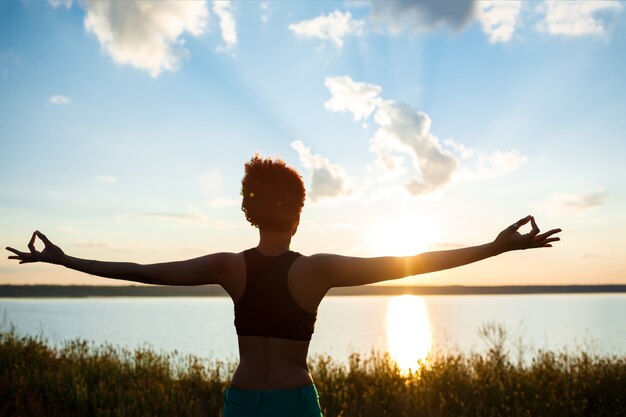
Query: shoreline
x=80 y=291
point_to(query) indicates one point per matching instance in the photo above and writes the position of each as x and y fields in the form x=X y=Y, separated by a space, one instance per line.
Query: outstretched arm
x=209 y=269
x=343 y=271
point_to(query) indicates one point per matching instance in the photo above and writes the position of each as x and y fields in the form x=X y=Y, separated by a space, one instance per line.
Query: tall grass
x=80 y=378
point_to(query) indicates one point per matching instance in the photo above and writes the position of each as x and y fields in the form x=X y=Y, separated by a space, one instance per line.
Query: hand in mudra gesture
x=511 y=239
x=51 y=253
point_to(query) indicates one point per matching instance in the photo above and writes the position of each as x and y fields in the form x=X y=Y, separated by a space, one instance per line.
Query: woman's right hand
x=50 y=254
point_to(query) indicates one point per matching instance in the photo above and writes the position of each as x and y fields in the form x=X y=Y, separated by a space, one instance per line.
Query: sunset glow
x=409 y=336
x=404 y=236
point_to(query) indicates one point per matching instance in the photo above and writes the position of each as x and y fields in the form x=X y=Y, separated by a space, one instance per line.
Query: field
x=80 y=378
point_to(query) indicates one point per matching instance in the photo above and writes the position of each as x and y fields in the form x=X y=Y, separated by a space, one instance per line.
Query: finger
x=535 y=229
x=22 y=256
x=31 y=244
x=554 y=239
x=543 y=243
x=43 y=238
x=548 y=233
x=520 y=223
x=15 y=251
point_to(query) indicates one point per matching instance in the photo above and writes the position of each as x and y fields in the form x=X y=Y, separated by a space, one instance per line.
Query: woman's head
x=273 y=194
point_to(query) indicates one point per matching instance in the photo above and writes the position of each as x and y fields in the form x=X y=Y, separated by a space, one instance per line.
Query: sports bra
x=266 y=307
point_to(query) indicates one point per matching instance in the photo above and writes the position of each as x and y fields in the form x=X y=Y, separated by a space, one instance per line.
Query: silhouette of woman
x=276 y=291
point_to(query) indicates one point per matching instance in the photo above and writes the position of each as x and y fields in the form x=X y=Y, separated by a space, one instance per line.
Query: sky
x=416 y=125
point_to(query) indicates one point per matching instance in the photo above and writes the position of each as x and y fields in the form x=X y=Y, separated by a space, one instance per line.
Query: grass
x=81 y=379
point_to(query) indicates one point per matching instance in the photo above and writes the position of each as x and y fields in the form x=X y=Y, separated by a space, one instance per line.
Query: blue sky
x=124 y=127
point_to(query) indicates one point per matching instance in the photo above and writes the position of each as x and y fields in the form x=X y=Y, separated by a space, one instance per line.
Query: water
x=409 y=327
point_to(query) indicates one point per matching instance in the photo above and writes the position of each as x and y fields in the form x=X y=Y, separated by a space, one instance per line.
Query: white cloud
x=145 y=35
x=405 y=147
x=415 y=15
x=463 y=151
x=491 y=165
x=59 y=3
x=332 y=27
x=499 y=18
x=346 y=95
x=91 y=245
x=499 y=163
x=228 y=27
x=401 y=130
x=357 y=4
x=106 y=178
x=405 y=130
x=327 y=179
x=576 y=18
x=192 y=216
x=221 y=202
x=572 y=204
x=265 y=11
x=60 y=100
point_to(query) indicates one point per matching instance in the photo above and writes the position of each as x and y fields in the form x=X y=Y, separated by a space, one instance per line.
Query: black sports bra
x=266 y=307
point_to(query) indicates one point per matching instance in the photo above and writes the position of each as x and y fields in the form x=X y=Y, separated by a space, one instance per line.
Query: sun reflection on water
x=409 y=337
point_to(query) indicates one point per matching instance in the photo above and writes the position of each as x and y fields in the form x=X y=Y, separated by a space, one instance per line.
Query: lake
x=408 y=327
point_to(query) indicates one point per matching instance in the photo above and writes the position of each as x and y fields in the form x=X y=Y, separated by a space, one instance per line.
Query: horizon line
x=76 y=291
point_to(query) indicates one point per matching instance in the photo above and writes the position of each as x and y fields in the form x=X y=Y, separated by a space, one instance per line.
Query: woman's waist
x=264 y=375
x=273 y=350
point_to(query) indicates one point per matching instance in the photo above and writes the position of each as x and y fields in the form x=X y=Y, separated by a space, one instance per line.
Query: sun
x=402 y=236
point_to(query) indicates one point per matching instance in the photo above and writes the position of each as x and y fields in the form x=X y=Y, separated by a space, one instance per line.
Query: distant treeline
x=216 y=291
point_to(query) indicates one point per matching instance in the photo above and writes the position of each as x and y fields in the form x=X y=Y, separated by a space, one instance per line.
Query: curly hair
x=273 y=194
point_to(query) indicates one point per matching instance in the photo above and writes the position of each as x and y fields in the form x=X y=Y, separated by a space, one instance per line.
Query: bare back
x=270 y=362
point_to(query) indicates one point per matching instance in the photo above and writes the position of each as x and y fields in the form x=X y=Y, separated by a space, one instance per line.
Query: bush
x=82 y=379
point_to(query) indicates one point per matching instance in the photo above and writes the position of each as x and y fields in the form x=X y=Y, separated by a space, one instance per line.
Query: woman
x=277 y=291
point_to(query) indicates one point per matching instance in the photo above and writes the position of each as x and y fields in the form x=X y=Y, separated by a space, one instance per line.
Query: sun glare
x=409 y=337
x=404 y=236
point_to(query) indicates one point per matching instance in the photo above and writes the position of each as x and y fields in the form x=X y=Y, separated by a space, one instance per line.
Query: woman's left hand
x=510 y=239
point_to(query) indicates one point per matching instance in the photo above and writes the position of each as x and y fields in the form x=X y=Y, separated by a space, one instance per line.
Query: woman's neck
x=273 y=242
